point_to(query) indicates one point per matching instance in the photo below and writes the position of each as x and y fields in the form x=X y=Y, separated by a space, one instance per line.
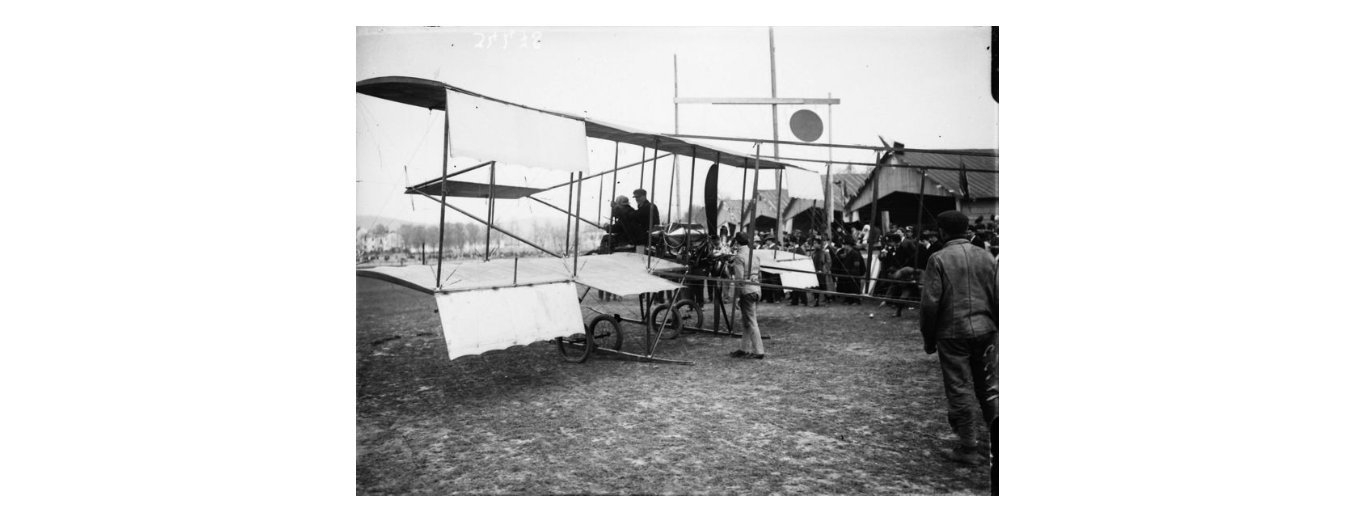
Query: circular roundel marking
x=806 y=125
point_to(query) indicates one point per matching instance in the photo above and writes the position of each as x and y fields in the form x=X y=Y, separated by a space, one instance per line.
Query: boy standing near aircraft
x=745 y=291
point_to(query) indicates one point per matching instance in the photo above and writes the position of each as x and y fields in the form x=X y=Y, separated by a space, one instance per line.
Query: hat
x=621 y=199
x=640 y=191
x=952 y=222
x=740 y=238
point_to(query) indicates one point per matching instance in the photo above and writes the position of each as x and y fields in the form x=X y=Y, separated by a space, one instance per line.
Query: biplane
x=487 y=304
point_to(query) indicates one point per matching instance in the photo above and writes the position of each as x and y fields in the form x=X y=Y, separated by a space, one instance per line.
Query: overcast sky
x=924 y=87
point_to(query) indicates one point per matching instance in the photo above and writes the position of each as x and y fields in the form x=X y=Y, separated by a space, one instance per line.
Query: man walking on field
x=959 y=319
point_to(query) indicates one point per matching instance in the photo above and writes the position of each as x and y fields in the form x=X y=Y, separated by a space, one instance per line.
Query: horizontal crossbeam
x=760 y=101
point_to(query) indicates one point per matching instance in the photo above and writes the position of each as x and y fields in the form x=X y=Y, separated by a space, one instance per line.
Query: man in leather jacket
x=959 y=319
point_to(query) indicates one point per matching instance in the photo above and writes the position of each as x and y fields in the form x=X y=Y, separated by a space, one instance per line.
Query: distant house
x=728 y=211
x=805 y=214
x=912 y=191
x=368 y=242
x=764 y=212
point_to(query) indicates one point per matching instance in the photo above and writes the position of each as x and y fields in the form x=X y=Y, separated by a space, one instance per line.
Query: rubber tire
x=674 y=327
x=570 y=354
x=612 y=342
x=690 y=312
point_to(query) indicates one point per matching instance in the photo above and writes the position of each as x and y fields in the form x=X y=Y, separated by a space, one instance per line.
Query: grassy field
x=843 y=405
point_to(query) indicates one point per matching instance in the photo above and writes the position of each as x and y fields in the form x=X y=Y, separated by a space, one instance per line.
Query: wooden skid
x=641 y=358
x=694 y=330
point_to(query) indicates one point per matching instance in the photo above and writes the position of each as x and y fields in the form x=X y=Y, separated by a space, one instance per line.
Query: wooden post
x=775 y=117
x=568 y=219
x=645 y=308
x=648 y=237
x=442 y=219
x=874 y=216
x=672 y=180
x=743 y=210
x=828 y=203
x=489 y=228
x=653 y=179
x=921 y=203
x=691 y=191
x=756 y=173
x=828 y=193
x=578 y=227
x=717 y=306
x=779 y=225
x=775 y=130
x=675 y=128
x=614 y=172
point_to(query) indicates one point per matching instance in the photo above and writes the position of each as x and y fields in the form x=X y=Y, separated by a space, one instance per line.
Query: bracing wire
x=426 y=130
x=368 y=121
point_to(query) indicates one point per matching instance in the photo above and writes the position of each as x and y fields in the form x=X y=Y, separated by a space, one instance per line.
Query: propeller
x=712 y=198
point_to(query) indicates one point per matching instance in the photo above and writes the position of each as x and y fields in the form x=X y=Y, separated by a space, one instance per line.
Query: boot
x=966 y=456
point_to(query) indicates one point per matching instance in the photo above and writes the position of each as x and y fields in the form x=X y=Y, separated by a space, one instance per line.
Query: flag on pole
x=963 y=180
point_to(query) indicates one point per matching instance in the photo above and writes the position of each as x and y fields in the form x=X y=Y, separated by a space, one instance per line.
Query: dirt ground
x=843 y=404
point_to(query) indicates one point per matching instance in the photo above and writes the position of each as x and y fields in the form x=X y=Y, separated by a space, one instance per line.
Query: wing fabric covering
x=773 y=259
x=477 y=321
x=624 y=274
x=489 y=130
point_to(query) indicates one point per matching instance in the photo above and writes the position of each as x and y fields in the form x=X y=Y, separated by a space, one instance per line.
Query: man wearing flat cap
x=645 y=218
x=959 y=319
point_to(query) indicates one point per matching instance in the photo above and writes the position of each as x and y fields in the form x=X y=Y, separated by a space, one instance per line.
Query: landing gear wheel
x=672 y=329
x=573 y=350
x=604 y=331
x=690 y=313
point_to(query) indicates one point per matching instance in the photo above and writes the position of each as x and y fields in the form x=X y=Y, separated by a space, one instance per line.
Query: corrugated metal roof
x=766 y=203
x=931 y=159
x=431 y=94
x=726 y=212
x=982 y=184
x=851 y=184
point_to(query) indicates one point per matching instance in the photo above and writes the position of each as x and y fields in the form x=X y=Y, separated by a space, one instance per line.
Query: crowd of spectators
x=840 y=262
